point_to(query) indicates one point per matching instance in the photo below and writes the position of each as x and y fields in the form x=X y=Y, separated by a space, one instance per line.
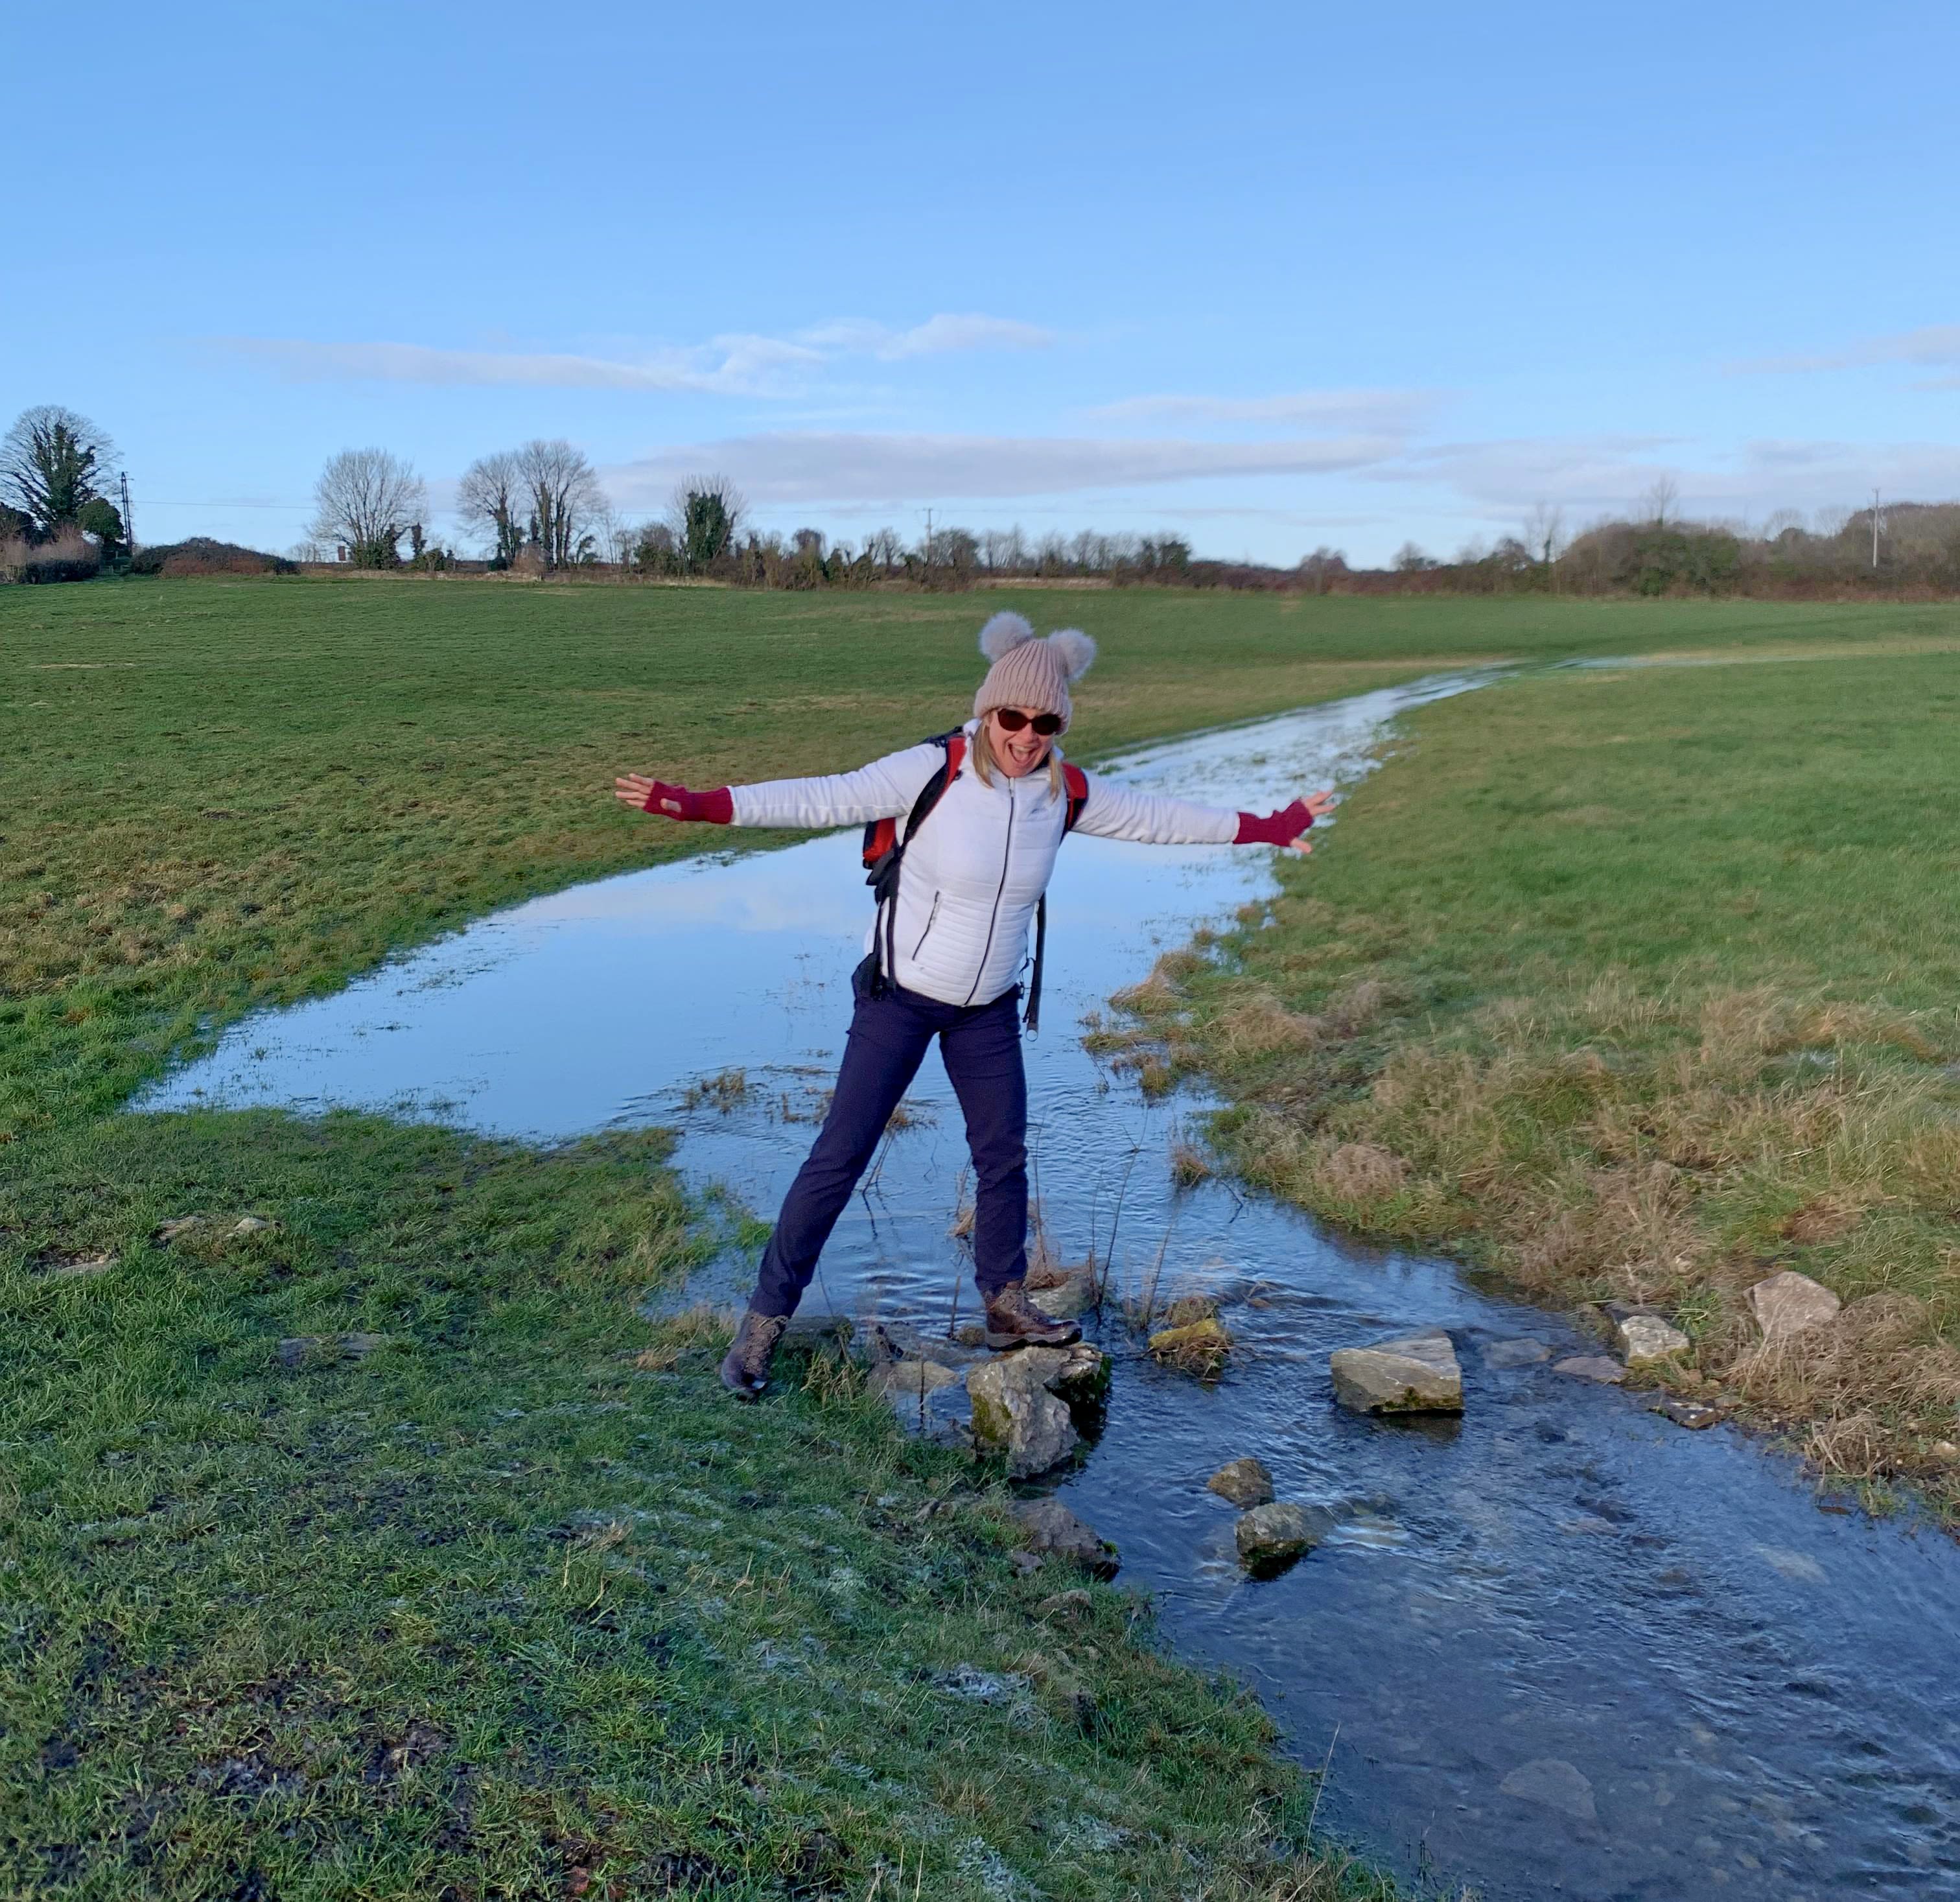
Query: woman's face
x=1018 y=753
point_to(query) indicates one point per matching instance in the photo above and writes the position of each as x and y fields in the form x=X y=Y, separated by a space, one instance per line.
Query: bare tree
x=885 y=547
x=1662 y=500
x=565 y=500
x=1545 y=532
x=705 y=512
x=52 y=463
x=367 y=499
x=492 y=498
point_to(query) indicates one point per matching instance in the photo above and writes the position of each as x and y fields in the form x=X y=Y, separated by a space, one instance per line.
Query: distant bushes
x=202 y=555
x=67 y=556
x=1917 y=552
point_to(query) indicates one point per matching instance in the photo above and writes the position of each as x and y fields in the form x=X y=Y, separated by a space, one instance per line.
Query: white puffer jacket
x=982 y=858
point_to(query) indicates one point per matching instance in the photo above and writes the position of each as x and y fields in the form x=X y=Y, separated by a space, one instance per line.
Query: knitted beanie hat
x=1029 y=672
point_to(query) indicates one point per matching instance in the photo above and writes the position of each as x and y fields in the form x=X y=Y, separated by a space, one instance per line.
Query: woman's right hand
x=674 y=802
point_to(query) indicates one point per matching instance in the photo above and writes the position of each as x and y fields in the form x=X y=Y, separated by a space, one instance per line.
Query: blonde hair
x=985 y=760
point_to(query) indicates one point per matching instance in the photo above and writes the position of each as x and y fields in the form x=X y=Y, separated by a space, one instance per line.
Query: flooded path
x=1569 y=1650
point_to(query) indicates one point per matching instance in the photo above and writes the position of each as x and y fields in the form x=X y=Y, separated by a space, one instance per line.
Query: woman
x=946 y=951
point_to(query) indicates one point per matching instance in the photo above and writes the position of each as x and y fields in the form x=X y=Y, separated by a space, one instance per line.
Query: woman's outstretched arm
x=885 y=789
x=1116 y=811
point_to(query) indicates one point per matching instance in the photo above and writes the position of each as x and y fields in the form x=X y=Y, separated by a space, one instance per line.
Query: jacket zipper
x=932 y=917
x=1007 y=848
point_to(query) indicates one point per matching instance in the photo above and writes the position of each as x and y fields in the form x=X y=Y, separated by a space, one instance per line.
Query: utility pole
x=1875 y=528
x=129 y=522
x=928 y=538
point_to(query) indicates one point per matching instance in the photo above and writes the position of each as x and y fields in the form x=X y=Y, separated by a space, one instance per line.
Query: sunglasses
x=1012 y=720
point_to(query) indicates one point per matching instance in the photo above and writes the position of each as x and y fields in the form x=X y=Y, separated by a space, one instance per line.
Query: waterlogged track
x=1563 y=1648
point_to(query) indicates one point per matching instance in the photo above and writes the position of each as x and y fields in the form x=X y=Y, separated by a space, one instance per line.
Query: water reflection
x=1569 y=1649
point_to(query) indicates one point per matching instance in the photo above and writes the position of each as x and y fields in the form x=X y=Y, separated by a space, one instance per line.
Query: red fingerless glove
x=1280 y=828
x=717 y=808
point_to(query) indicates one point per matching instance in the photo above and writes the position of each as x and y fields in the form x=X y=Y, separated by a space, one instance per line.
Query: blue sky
x=1269 y=276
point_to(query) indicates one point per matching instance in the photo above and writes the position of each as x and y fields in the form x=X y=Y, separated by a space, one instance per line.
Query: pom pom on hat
x=1004 y=632
x=1074 y=650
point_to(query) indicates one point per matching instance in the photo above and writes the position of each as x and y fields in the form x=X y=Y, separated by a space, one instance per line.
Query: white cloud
x=738 y=364
x=1935 y=345
x=1301 y=409
x=819 y=468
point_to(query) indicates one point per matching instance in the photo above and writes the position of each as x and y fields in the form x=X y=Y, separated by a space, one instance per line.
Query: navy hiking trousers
x=981 y=1047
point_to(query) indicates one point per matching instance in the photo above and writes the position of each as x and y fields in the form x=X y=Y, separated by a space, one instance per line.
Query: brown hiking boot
x=1012 y=1321
x=745 y=1370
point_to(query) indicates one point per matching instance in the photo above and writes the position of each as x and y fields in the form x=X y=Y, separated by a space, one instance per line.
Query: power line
x=151 y=501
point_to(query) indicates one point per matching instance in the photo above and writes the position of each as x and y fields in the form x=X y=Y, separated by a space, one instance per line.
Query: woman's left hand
x=1287 y=826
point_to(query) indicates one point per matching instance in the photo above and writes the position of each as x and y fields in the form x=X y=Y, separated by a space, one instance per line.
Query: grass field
x=1644 y=983
x=501 y=1601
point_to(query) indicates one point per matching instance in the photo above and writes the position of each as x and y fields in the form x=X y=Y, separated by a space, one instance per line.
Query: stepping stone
x=1271 y=1538
x=1592 y=1367
x=1412 y=1374
x=1244 y=1481
x=910 y=1379
x=1515 y=1353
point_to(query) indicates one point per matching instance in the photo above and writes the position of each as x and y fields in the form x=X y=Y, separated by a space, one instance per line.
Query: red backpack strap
x=881 y=836
x=1076 y=781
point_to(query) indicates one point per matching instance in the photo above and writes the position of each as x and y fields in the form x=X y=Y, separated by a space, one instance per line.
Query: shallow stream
x=1563 y=1648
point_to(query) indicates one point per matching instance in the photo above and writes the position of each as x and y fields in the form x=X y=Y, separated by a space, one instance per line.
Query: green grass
x=1643 y=983
x=499 y=1609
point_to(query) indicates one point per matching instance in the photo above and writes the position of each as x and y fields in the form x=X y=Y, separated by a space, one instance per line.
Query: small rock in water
x=1592 y=1367
x=1554 y=1782
x=1050 y=1529
x=1515 y=1353
x=1648 y=1337
x=1693 y=1415
x=1270 y=1537
x=909 y=1379
x=1244 y=1481
x=1414 y=1374
x=1198 y=1347
x=1789 y=1303
x=971 y=1334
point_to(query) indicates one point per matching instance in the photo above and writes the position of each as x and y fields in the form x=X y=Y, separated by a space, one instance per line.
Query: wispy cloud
x=1299 y=410
x=936 y=336
x=1931 y=346
x=819 y=468
x=736 y=364
x=1608 y=473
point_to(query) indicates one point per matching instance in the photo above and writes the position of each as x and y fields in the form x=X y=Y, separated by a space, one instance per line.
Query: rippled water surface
x=1561 y=1648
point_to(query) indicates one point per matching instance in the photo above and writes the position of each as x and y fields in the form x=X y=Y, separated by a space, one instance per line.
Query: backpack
x=884 y=851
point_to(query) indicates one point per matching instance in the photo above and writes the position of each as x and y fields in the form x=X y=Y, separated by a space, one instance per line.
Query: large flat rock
x=1412 y=1374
